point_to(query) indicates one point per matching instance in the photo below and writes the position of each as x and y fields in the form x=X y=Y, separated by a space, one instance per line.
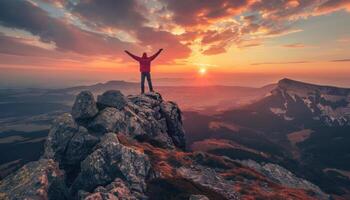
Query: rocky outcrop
x=83 y=156
x=111 y=160
x=132 y=149
x=36 y=180
x=68 y=144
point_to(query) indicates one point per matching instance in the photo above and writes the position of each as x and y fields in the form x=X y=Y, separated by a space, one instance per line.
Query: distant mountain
x=303 y=127
x=293 y=99
x=100 y=87
x=188 y=97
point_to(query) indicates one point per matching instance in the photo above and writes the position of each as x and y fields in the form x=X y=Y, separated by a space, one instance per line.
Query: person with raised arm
x=145 y=68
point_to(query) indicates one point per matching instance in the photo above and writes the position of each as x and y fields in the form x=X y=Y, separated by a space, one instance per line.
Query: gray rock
x=84 y=106
x=78 y=148
x=284 y=177
x=108 y=120
x=96 y=165
x=209 y=178
x=68 y=143
x=198 y=197
x=118 y=189
x=112 y=160
x=36 y=180
x=173 y=118
x=156 y=119
x=61 y=132
x=112 y=98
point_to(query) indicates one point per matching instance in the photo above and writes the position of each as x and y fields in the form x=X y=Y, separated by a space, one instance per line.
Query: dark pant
x=148 y=76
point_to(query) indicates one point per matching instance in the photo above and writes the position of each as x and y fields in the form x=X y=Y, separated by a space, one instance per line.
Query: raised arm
x=156 y=54
x=132 y=55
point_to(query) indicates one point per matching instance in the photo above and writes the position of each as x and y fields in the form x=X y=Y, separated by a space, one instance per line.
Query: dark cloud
x=86 y=36
x=14 y=46
x=123 y=14
x=27 y=16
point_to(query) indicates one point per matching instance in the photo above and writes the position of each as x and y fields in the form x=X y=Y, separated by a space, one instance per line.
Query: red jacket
x=145 y=62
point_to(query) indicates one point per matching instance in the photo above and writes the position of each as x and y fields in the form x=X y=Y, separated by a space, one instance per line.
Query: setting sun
x=202 y=71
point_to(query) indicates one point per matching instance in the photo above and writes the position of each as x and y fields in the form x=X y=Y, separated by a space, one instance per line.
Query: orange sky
x=247 y=42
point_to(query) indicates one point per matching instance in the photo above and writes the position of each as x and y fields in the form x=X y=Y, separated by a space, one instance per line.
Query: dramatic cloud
x=121 y=13
x=201 y=12
x=163 y=39
x=16 y=46
x=334 y=5
x=66 y=37
x=126 y=15
x=107 y=27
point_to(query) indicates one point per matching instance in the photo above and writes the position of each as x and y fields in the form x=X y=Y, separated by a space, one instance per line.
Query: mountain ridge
x=132 y=148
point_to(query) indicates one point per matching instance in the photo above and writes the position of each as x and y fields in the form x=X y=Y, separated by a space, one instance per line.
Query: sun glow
x=202 y=71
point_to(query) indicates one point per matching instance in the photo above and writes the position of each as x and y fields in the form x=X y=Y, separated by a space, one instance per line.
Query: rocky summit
x=132 y=148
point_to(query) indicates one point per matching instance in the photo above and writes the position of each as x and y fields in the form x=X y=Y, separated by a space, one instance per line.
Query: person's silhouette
x=145 y=68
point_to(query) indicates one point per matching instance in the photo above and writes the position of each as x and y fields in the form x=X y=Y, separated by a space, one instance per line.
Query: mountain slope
x=301 y=126
x=132 y=148
x=329 y=105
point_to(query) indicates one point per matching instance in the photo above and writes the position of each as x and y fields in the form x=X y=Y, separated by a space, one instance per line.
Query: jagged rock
x=109 y=161
x=61 y=132
x=208 y=177
x=36 y=180
x=108 y=120
x=156 y=120
x=172 y=115
x=284 y=177
x=118 y=189
x=68 y=143
x=84 y=106
x=112 y=98
x=198 y=197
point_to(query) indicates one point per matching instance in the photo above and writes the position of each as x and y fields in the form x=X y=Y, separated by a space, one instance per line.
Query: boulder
x=36 y=180
x=108 y=120
x=112 y=98
x=84 y=106
x=112 y=160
